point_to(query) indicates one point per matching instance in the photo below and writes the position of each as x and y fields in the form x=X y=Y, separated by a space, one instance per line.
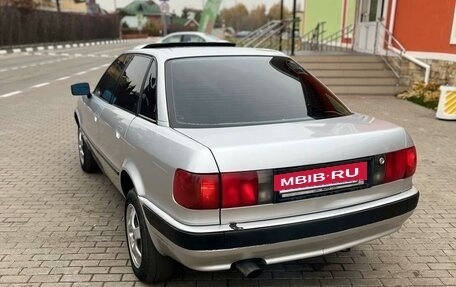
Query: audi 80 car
x=236 y=158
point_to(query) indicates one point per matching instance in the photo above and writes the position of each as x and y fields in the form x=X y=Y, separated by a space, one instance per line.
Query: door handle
x=119 y=132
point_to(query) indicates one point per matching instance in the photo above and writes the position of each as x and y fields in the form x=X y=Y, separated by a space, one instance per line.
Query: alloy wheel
x=133 y=235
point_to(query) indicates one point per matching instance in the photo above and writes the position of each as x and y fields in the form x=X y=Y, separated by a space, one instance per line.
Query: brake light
x=211 y=191
x=400 y=164
x=196 y=191
x=239 y=189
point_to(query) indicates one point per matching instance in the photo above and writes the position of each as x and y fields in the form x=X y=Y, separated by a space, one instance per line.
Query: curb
x=40 y=48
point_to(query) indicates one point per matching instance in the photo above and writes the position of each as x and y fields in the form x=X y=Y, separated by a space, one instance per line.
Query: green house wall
x=330 y=11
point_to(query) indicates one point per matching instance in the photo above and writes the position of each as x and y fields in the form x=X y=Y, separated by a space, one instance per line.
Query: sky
x=178 y=5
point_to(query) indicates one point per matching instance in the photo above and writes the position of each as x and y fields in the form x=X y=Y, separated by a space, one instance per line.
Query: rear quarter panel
x=154 y=153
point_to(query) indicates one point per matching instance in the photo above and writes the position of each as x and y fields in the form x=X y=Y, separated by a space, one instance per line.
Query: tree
x=29 y=4
x=151 y=29
x=258 y=17
x=274 y=12
x=236 y=17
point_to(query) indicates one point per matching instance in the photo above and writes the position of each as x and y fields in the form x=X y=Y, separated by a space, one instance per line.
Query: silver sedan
x=235 y=157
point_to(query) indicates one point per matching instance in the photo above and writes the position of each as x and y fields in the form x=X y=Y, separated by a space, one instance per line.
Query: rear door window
x=108 y=82
x=247 y=90
x=130 y=84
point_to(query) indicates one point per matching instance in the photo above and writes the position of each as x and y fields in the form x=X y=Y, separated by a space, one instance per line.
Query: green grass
x=418 y=100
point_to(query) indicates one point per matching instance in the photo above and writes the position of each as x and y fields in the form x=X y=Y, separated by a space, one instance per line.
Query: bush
x=151 y=29
x=426 y=95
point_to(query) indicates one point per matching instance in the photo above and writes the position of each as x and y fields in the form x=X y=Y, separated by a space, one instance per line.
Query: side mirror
x=80 y=89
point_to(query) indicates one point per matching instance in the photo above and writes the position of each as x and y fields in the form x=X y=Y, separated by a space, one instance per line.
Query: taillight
x=400 y=164
x=196 y=191
x=239 y=189
x=225 y=190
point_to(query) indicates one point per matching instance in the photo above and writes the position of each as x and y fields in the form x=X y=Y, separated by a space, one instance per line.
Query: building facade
x=336 y=15
x=424 y=30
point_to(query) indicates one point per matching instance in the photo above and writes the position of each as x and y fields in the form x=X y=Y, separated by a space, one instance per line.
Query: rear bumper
x=315 y=235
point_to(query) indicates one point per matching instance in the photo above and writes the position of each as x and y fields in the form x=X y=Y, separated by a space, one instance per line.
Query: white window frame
x=453 y=29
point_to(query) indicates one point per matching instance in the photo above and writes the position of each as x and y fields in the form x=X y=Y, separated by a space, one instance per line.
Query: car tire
x=147 y=263
x=86 y=159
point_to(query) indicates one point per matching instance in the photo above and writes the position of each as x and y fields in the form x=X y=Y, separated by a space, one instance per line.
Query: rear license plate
x=320 y=179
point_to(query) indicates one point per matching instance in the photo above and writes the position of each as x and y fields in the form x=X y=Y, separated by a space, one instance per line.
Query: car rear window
x=244 y=90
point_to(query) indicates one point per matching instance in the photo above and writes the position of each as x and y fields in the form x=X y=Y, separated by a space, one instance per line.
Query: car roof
x=186 y=33
x=167 y=53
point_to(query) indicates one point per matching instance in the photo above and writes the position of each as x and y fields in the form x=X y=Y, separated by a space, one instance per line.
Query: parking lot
x=62 y=227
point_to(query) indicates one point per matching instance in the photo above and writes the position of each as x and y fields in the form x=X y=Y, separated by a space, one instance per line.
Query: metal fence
x=28 y=26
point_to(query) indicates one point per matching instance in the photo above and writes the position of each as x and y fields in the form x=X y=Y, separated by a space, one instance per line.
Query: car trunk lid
x=295 y=146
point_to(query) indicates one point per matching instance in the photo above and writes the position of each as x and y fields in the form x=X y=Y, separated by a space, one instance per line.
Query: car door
x=92 y=105
x=115 y=119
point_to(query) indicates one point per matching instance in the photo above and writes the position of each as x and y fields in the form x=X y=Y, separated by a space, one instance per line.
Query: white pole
x=392 y=17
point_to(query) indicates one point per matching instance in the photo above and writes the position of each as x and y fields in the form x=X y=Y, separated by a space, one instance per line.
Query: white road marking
x=59 y=47
x=29 y=49
x=65 y=54
x=3 y=70
x=52 y=54
x=105 y=65
x=40 y=85
x=10 y=94
x=38 y=54
x=41 y=48
x=78 y=55
x=3 y=52
x=63 y=78
x=94 y=68
x=32 y=65
x=17 y=50
x=81 y=73
x=14 y=68
x=50 y=47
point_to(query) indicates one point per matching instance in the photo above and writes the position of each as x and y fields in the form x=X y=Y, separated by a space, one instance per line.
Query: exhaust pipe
x=249 y=268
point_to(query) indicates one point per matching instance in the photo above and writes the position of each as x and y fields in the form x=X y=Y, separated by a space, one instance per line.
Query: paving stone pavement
x=62 y=227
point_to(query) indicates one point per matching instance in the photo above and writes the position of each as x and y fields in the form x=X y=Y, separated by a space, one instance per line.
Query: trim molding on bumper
x=275 y=234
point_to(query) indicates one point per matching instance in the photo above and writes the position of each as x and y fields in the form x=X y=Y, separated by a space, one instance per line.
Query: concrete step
x=359 y=81
x=352 y=73
x=367 y=90
x=338 y=58
x=344 y=66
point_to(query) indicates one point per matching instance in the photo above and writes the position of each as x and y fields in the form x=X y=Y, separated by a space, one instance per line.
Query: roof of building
x=146 y=8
